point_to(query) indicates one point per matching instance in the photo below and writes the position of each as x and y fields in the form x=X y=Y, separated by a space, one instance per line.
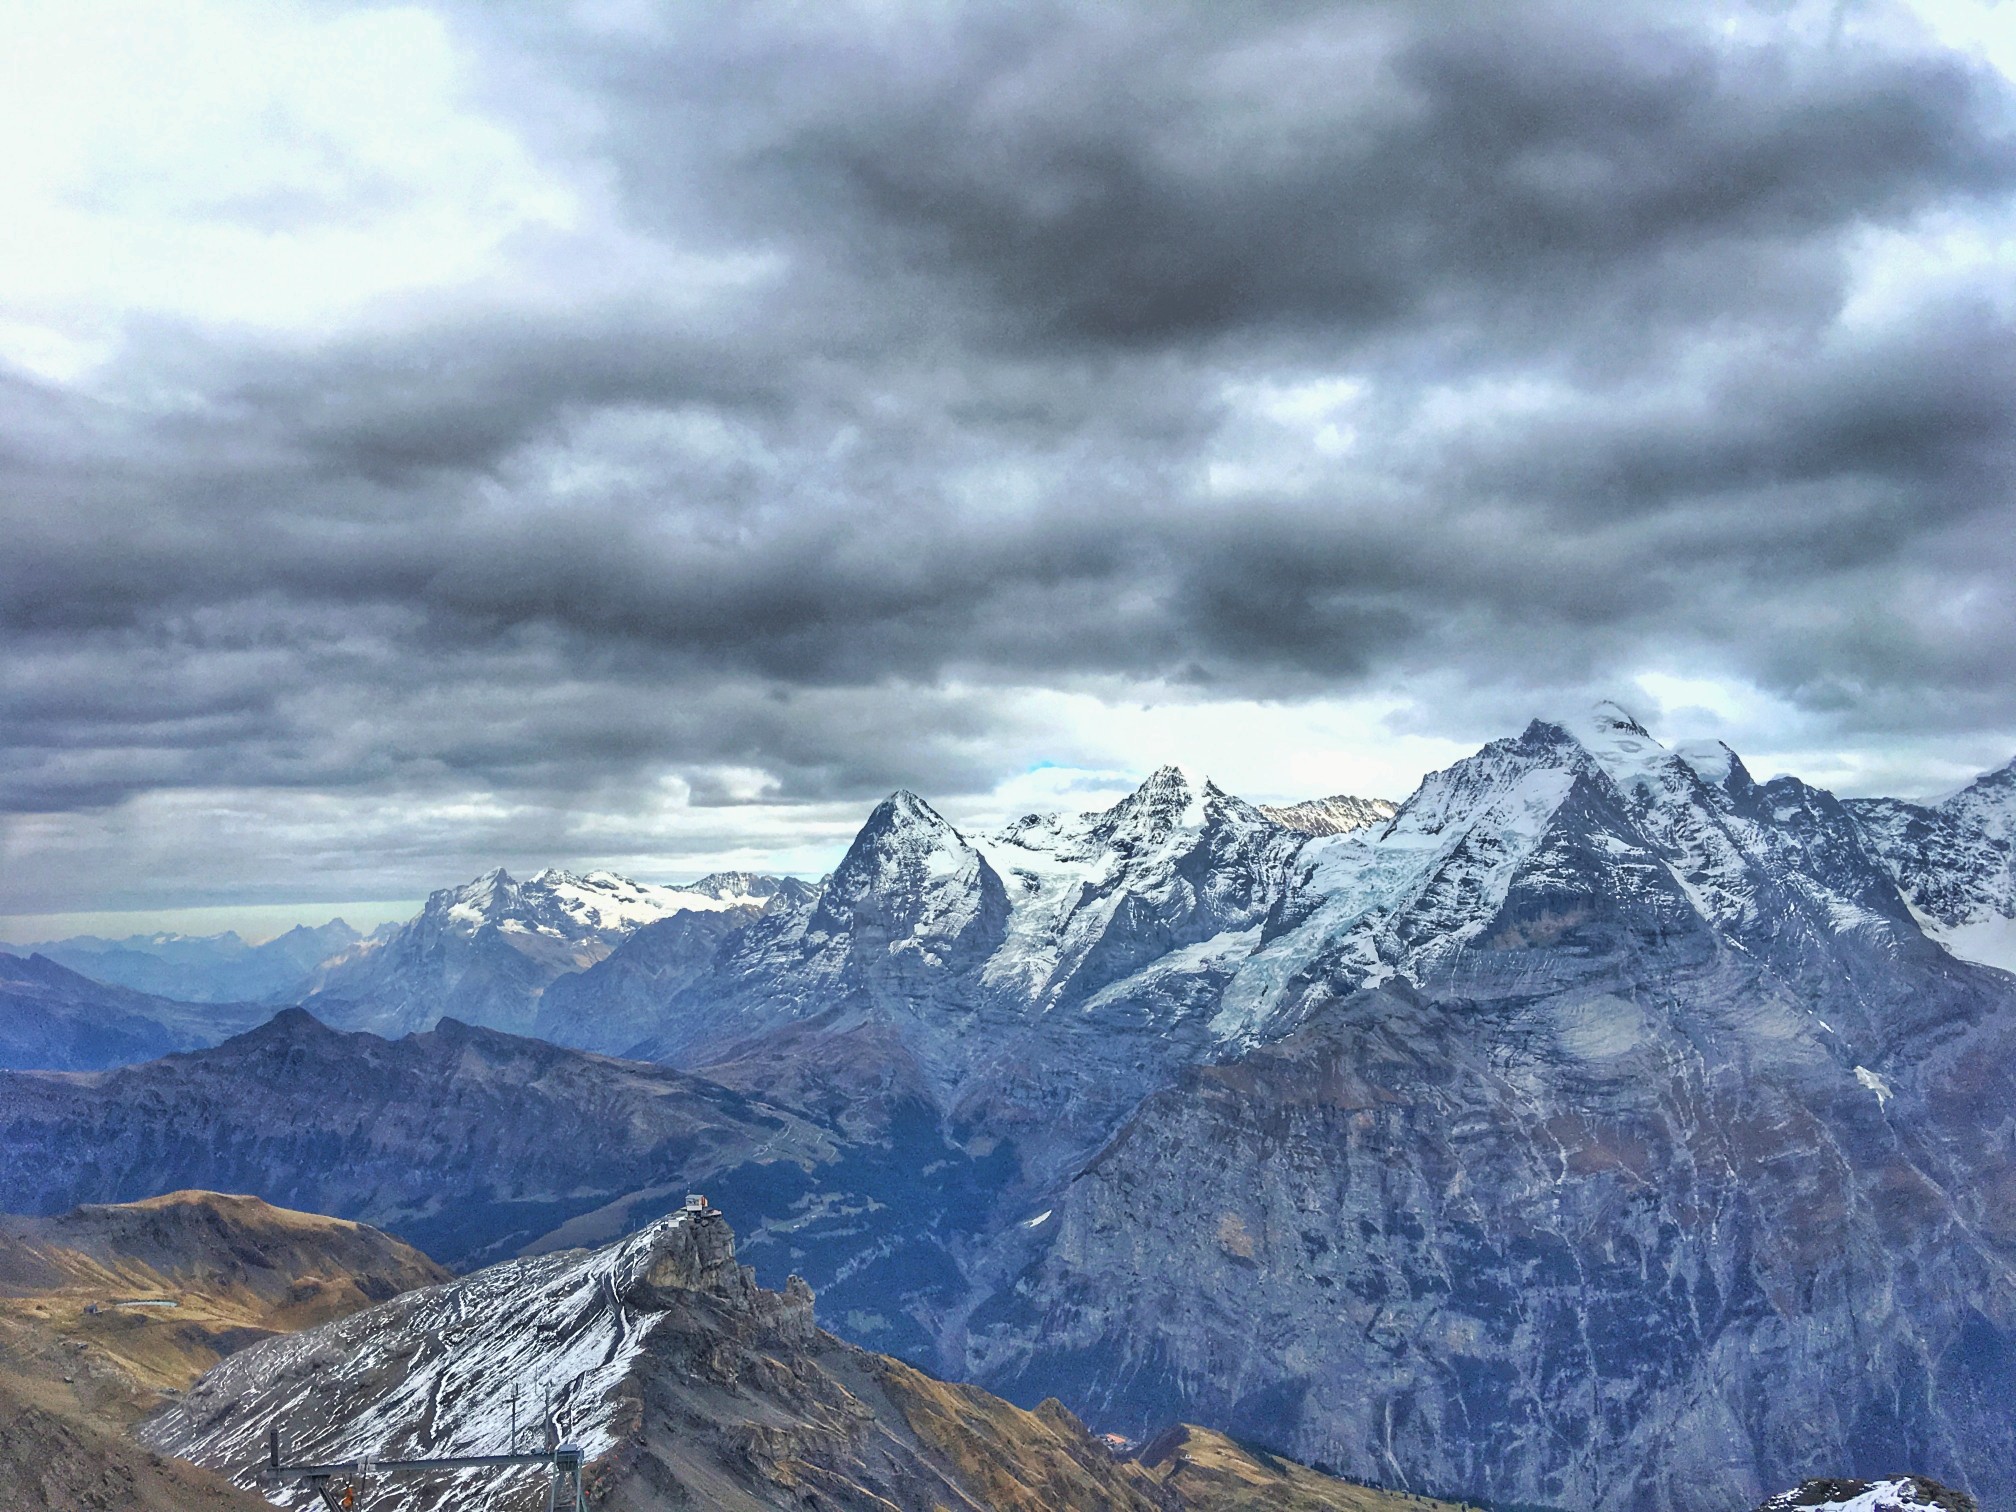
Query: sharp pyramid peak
x=904 y=804
x=904 y=813
x=486 y=885
x=1172 y=784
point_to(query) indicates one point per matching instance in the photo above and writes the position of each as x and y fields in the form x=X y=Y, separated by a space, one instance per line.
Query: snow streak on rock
x=431 y=1375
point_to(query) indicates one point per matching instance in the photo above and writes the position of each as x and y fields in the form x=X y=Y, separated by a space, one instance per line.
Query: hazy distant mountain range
x=1600 y=1128
x=203 y=968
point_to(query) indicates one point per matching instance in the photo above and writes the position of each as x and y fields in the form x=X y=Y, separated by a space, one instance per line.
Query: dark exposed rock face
x=617 y=1003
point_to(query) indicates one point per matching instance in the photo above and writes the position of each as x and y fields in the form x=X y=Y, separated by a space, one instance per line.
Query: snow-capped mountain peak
x=1621 y=745
x=1172 y=799
x=486 y=950
x=908 y=876
x=565 y=905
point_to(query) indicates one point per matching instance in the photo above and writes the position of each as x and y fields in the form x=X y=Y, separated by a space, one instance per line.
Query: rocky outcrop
x=1904 y=1493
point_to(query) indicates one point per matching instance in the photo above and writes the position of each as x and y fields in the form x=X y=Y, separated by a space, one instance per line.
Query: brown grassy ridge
x=1208 y=1472
x=237 y=1268
x=76 y=1369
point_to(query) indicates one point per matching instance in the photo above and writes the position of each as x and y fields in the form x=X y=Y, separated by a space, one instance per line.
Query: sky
x=642 y=435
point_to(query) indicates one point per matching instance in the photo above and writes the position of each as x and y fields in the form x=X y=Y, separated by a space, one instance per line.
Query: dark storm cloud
x=987 y=347
x=1168 y=174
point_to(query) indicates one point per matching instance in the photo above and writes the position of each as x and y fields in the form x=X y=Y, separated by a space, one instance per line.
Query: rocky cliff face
x=1608 y=1136
x=619 y=1002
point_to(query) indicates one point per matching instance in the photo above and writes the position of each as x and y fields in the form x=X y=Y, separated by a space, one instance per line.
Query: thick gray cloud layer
x=1293 y=352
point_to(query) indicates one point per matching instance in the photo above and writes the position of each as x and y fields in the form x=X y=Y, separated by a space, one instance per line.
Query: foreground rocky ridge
x=686 y=1383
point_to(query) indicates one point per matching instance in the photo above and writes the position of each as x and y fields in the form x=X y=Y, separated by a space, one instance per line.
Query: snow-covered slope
x=1955 y=862
x=1508 y=845
x=432 y=1373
